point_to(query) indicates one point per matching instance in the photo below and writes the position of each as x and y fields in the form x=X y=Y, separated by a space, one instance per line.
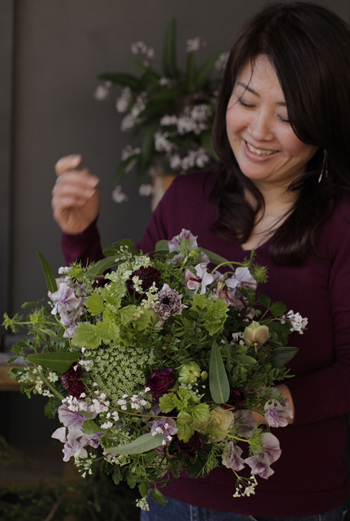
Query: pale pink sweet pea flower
x=193 y=282
x=276 y=414
x=231 y=457
x=191 y=241
x=260 y=463
x=244 y=422
x=75 y=441
x=64 y=299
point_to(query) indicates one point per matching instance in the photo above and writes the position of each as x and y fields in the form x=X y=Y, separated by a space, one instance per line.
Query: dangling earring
x=324 y=169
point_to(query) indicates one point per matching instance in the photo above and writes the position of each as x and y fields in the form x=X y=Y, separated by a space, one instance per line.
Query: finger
x=75 y=180
x=67 y=163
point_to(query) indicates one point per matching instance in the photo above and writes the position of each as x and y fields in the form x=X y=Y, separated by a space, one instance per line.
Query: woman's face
x=262 y=140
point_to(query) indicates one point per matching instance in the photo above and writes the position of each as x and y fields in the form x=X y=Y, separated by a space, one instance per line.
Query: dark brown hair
x=309 y=48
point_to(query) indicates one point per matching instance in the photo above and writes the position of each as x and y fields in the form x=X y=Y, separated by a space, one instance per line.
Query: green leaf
x=167 y=402
x=264 y=300
x=218 y=381
x=98 y=268
x=123 y=165
x=143 y=488
x=107 y=331
x=115 y=249
x=94 y=303
x=147 y=148
x=90 y=427
x=184 y=423
x=162 y=245
x=143 y=444
x=117 y=475
x=125 y=80
x=11 y=359
x=131 y=480
x=85 y=336
x=213 y=257
x=206 y=69
x=49 y=275
x=278 y=309
x=201 y=413
x=215 y=316
x=147 y=317
x=190 y=73
x=247 y=360
x=169 y=51
x=157 y=496
x=282 y=355
x=59 y=362
x=48 y=332
x=207 y=143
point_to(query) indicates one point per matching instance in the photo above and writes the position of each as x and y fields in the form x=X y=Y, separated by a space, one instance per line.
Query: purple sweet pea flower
x=185 y=238
x=167 y=428
x=160 y=382
x=64 y=299
x=75 y=441
x=72 y=419
x=276 y=414
x=231 y=457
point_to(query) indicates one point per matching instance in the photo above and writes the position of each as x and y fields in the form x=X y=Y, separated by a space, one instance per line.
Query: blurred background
x=51 y=53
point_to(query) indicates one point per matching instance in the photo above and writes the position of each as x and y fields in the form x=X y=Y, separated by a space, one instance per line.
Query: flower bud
x=189 y=373
x=256 y=334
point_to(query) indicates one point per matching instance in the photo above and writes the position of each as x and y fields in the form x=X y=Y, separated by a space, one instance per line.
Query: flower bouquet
x=155 y=367
x=168 y=111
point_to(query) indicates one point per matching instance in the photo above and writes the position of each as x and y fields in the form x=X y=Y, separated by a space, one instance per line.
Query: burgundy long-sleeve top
x=310 y=476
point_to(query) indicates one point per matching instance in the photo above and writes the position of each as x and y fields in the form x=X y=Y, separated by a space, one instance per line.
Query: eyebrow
x=246 y=87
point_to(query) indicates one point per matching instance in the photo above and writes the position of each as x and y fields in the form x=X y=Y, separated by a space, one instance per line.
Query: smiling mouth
x=259 y=151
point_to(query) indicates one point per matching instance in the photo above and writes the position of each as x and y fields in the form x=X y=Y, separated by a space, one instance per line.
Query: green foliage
x=218 y=381
x=171 y=92
x=60 y=362
x=142 y=444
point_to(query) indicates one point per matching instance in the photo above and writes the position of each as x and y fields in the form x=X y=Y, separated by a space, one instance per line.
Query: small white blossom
x=145 y=190
x=195 y=44
x=118 y=196
x=102 y=91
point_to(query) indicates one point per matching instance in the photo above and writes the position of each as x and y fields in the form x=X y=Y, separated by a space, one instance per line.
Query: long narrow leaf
x=125 y=80
x=218 y=381
x=190 y=73
x=49 y=275
x=59 y=362
x=169 y=53
x=99 y=268
x=213 y=257
x=206 y=69
x=144 y=443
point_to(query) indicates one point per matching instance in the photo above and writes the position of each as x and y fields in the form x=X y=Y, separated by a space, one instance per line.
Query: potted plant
x=169 y=113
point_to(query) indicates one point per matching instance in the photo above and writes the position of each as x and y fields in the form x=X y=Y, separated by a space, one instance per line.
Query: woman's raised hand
x=75 y=196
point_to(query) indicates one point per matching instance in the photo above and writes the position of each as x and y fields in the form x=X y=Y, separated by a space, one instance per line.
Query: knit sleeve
x=326 y=393
x=84 y=247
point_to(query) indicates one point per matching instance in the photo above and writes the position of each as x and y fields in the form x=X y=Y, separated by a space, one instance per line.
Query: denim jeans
x=177 y=511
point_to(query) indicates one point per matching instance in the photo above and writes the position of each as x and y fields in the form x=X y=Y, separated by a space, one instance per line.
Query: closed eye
x=244 y=104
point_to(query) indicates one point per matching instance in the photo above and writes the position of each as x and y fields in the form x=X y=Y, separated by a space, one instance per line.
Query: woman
x=282 y=133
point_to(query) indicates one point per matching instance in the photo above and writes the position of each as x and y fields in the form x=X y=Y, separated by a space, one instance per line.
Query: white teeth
x=260 y=152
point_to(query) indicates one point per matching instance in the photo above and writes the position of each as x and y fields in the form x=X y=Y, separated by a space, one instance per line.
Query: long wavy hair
x=309 y=48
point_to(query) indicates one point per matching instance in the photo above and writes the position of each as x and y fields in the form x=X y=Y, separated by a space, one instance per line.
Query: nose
x=260 y=127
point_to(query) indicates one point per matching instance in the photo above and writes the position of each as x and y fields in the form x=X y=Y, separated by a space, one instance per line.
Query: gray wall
x=60 y=47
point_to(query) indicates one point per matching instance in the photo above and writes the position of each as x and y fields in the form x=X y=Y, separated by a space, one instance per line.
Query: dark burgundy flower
x=235 y=401
x=190 y=447
x=71 y=381
x=147 y=276
x=160 y=382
